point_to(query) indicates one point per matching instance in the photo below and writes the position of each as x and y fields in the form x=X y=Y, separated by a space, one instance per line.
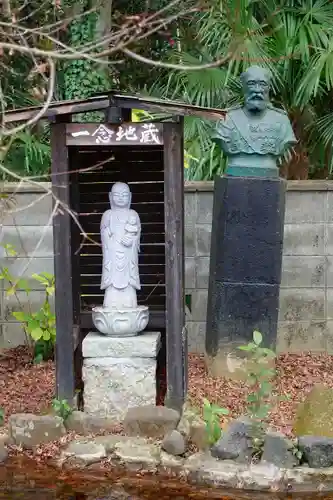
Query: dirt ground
x=25 y=387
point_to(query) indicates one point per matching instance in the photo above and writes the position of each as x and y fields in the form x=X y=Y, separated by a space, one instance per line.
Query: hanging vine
x=83 y=78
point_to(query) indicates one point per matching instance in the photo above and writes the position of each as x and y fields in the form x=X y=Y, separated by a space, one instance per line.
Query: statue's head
x=120 y=195
x=256 y=83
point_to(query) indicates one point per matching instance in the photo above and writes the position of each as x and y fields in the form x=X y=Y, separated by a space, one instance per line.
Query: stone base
x=119 y=373
x=245 y=267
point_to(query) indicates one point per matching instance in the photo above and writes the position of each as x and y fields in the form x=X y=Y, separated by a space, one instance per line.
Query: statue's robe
x=120 y=263
x=270 y=134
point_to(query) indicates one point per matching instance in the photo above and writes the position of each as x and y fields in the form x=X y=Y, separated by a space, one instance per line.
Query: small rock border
x=159 y=440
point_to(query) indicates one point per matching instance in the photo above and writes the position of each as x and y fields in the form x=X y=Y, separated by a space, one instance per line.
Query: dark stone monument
x=248 y=223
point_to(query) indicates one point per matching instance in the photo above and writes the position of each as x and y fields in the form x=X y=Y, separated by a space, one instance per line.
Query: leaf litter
x=29 y=388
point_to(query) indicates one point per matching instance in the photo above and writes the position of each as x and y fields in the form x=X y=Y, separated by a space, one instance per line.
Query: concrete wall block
x=25 y=239
x=18 y=269
x=190 y=208
x=306 y=207
x=196 y=337
x=302 y=336
x=202 y=266
x=205 y=208
x=305 y=304
x=189 y=240
x=329 y=239
x=329 y=303
x=303 y=271
x=190 y=274
x=199 y=305
x=203 y=237
x=12 y=335
x=329 y=206
x=22 y=302
x=28 y=209
x=329 y=271
x=304 y=239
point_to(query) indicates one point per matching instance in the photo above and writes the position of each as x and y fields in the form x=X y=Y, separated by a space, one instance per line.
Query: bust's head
x=120 y=195
x=256 y=83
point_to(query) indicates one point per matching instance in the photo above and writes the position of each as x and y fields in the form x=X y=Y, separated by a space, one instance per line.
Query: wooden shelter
x=87 y=158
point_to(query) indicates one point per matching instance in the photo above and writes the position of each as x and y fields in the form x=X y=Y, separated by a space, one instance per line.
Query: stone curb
x=202 y=470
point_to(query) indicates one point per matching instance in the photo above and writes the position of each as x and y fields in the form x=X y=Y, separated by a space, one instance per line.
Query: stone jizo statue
x=254 y=135
x=120 y=236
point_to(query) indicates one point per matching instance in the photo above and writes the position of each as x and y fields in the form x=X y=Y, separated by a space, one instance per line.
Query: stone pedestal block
x=119 y=373
x=245 y=265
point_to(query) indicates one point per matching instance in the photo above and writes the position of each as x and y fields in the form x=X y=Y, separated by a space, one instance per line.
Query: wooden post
x=62 y=264
x=176 y=338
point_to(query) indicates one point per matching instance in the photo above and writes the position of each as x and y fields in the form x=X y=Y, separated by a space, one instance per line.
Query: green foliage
x=260 y=376
x=211 y=416
x=2 y=416
x=84 y=78
x=293 y=40
x=61 y=408
x=39 y=326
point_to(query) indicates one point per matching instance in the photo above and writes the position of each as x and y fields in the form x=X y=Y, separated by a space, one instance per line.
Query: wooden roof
x=102 y=102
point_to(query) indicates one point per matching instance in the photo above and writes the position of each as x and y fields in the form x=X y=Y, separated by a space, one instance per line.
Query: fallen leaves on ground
x=29 y=388
x=25 y=387
x=296 y=375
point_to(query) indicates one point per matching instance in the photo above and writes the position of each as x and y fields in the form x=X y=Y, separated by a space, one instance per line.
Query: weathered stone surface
x=317 y=451
x=82 y=454
x=171 y=462
x=236 y=442
x=308 y=479
x=110 y=441
x=202 y=468
x=3 y=449
x=113 y=385
x=277 y=451
x=146 y=345
x=315 y=416
x=174 y=443
x=138 y=453
x=261 y=477
x=151 y=421
x=193 y=428
x=30 y=430
x=83 y=423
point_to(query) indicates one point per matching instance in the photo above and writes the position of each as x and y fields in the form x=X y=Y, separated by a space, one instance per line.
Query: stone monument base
x=245 y=269
x=119 y=373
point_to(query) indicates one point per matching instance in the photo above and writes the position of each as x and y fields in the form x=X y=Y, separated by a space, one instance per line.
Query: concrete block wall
x=306 y=299
x=26 y=224
x=306 y=296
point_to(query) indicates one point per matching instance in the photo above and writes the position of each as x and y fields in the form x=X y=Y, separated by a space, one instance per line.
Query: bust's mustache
x=255 y=97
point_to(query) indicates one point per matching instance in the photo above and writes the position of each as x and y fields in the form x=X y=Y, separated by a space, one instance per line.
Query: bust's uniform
x=269 y=134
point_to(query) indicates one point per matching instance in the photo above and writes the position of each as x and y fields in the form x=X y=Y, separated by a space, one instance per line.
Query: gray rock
x=3 y=449
x=82 y=423
x=81 y=454
x=201 y=468
x=317 y=451
x=193 y=428
x=236 y=442
x=30 y=430
x=110 y=441
x=150 y=421
x=174 y=443
x=171 y=462
x=277 y=451
x=137 y=453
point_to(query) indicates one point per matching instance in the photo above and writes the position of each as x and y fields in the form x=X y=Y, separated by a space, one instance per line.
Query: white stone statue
x=120 y=314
